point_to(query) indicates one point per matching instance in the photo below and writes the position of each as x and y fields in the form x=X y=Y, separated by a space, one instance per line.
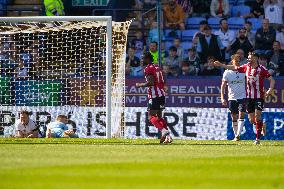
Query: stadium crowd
x=194 y=33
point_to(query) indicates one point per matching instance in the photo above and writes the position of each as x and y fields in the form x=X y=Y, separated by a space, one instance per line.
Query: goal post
x=79 y=60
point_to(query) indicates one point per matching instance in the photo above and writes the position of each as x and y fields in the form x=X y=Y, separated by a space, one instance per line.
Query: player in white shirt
x=26 y=127
x=236 y=83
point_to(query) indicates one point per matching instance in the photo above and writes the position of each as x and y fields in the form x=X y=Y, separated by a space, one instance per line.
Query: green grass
x=139 y=164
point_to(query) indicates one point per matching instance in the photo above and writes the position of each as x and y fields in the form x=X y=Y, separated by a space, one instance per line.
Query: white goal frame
x=108 y=20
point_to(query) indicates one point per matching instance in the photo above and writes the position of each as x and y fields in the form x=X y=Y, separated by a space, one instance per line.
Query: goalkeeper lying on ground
x=59 y=129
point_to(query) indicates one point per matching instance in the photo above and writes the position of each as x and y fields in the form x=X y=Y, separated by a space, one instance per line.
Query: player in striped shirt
x=156 y=95
x=255 y=75
x=236 y=96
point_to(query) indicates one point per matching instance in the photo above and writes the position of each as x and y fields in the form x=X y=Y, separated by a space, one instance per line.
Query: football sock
x=156 y=122
x=235 y=127
x=258 y=129
x=164 y=123
x=240 y=126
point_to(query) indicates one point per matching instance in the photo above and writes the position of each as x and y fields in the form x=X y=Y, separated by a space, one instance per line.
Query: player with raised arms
x=236 y=83
x=156 y=95
x=255 y=75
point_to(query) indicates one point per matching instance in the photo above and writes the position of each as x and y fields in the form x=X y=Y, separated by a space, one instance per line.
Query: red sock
x=164 y=123
x=258 y=128
x=156 y=122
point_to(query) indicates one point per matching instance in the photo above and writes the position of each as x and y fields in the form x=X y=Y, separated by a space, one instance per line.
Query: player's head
x=24 y=117
x=236 y=58
x=252 y=58
x=147 y=58
x=62 y=119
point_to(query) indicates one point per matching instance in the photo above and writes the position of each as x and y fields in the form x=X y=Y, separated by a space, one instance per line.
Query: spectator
x=59 y=129
x=209 y=70
x=257 y=10
x=226 y=36
x=201 y=8
x=164 y=52
x=186 y=6
x=26 y=127
x=139 y=43
x=276 y=64
x=220 y=8
x=250 y=34
x=243 y=59
x=202 y=26
x=242 y=42
x=54 y=8
x=174 y=15
x=209 y=45
x=21 y=71
x=273 y=10
x=280 y=37
x=264 y=38
x=153 y=33
x=132 y=62
x=191 y=64
x=172 y=63
x=153 y=49
x=180 y=50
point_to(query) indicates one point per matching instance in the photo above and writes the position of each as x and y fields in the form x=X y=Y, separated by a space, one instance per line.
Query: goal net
x=73 y=66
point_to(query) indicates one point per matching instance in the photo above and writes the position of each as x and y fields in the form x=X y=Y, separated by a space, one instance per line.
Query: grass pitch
x=139 y=164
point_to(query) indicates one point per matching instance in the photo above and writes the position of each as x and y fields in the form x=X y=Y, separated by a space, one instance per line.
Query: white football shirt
x=236 y=84
x=25 y=129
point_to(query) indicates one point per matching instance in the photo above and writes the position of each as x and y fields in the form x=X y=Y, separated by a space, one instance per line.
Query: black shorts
x=157 y=103
x=236 y=106
x=254 y=104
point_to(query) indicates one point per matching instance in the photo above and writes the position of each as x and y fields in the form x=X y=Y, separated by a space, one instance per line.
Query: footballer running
x=156 y=95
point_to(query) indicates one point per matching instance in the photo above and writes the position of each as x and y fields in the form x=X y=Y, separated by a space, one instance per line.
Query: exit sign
x=90 y=2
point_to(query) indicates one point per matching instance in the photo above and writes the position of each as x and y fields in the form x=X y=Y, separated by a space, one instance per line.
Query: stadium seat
x=193 y=23
x=256 y=23
x=168 y=44
x=186 y=45
x=187 y=35
x=240 y=10
x=236 y=22
x=214 y=22
x=172 y=34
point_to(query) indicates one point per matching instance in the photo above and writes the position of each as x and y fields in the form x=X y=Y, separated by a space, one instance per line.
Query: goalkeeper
x=59 y=129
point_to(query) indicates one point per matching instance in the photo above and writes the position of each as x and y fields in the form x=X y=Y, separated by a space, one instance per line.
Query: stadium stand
x=193 y=22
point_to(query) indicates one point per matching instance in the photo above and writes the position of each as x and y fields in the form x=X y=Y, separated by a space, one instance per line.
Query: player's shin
x=259 y=124
x=235 y=127
x=155 y=120
x=240 y=126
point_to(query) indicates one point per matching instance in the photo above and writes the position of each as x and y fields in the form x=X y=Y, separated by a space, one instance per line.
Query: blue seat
x=193 y=23
x=168 y=44
x=240 y=10
x=214 y=22
x=186 y=45
x=256 y=23
x=236 y=22
x=187 y=35
x=169 y=37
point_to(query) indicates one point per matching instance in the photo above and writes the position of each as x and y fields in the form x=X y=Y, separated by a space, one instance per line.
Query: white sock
x=241 y=123
x=235 y=127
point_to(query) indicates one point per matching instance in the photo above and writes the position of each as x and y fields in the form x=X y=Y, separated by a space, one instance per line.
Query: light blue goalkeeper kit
x=57 y=128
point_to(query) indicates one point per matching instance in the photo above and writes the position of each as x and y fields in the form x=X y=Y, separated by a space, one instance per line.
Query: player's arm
x=149 y=83
x=219 y=64
x=223 y=88
x=271 y=86
x=19 y=134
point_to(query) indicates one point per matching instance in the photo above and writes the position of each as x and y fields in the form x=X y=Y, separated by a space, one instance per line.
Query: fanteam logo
x=40 y=93
x=34 y=96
